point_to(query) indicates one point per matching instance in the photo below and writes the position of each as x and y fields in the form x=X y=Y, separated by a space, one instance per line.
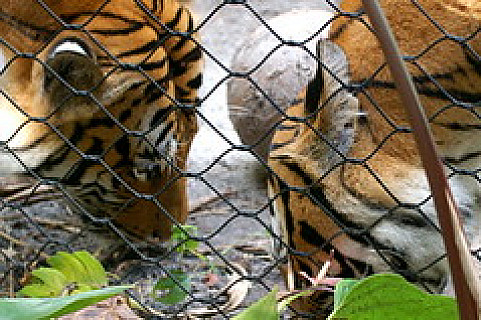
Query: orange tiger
x=348 y=186
x=98 y=100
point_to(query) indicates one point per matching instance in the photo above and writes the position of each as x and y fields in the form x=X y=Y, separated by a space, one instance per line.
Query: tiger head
x=93 y=94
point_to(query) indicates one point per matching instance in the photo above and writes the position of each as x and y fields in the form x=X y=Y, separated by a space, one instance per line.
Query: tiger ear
x=339 y=109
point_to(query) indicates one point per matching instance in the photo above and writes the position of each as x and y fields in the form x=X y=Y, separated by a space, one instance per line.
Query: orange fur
x=380 y=193
x=112 y=31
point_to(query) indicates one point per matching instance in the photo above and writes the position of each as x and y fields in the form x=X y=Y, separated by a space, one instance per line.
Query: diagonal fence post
x=466 y=283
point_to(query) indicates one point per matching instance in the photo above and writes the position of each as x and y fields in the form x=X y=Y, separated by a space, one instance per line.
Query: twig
x=13 y=240
x=45 y=221
x=58 y=224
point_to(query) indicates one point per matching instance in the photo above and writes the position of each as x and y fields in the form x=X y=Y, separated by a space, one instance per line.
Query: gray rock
x=285 y=71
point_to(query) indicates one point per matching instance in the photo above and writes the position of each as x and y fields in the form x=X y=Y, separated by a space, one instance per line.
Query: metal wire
x=16 y=233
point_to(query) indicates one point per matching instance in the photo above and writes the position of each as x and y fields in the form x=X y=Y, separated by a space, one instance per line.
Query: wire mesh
x=41 y=216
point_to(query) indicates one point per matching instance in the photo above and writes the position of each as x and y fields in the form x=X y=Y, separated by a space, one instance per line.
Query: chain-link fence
x=227 y=179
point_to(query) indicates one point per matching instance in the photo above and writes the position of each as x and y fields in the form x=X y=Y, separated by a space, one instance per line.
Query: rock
x=285 y=71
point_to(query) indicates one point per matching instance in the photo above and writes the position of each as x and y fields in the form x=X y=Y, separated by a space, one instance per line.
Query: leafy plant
x=389 y=296
x=170 y=291
x=72 y=282
x=265 y=308
x=181 y=236
x=69 y=273
x=48 y=308
x=167 y=289
x=268 y=307
x=378 y=297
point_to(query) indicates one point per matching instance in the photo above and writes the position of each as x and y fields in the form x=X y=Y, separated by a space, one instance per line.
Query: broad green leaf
x=390 y=297
x=48 y=308
x=37 y=290
x=264 y=309
x=96 y=272
x=70 y=266
x=343 y=287
x=170 y=292
x=47 y=282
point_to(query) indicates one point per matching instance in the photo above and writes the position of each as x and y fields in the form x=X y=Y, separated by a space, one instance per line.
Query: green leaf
x=343 y=287
x=47 y=308
x=172 y=293
x=390 y=297
x=47 y=282
x=70 y=266
x=179 y=236
x=264 y=309
x=94 y=269
x=37 y=290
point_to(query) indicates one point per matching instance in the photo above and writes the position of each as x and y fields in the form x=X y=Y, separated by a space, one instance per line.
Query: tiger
x=347 y=186
x=98 y=100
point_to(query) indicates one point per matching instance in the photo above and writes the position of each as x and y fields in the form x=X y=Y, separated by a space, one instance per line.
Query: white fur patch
x=70 y=46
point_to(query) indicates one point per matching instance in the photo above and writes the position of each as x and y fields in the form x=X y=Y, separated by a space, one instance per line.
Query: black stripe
x=125 y=115
x=195 y=82
x=152 y=92
x=77 y=171
x=318 y=197
x=35 y=143
x=459 y=95
x=69 y=18
x=194 y=55
x=144 y=49
x=455 y=126
x=59 y=155
x=181 y=43
x=122 y=146
x=172 y=23
x=314 y=238
x=159 y=116
x=100 y=122
x=313 y=93
x=285 y=199
x=31 y=31
x=335 y=34
x=463 y=158
x=164 y=133
x=150 y=66
x=179 y=93
x=181 y=66
x=276 y=146
x=472 y=60
x=118 y=31
x=97 y=191
x=136 y=102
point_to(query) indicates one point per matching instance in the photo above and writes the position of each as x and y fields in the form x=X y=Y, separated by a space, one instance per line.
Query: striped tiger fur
x=98 y=97
x=348 y=185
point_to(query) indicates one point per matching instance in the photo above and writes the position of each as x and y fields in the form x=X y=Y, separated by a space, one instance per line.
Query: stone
x=280 y=71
